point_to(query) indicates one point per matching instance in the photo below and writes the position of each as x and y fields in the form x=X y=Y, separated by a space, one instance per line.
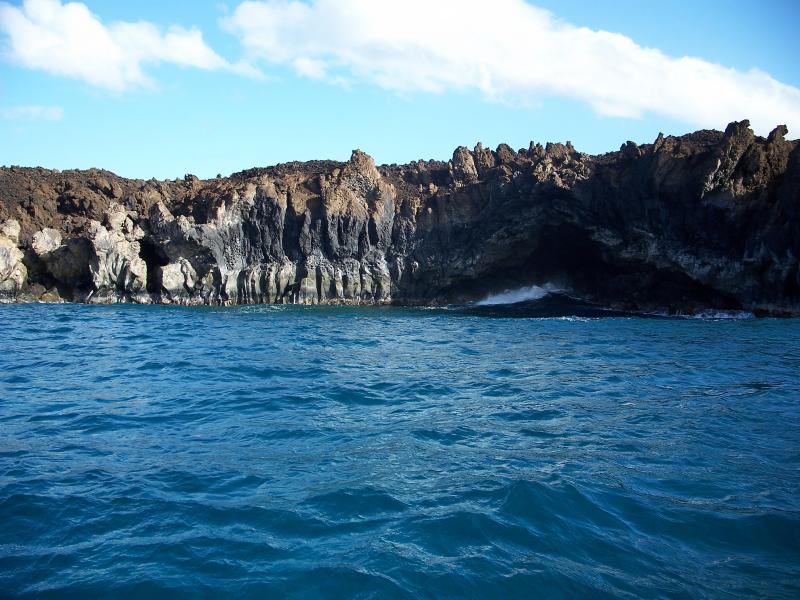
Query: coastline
x=704 y=221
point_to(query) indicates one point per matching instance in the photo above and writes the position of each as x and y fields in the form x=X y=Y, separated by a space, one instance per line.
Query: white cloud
x=506 y=49
x=67 y=39
x=48 y=113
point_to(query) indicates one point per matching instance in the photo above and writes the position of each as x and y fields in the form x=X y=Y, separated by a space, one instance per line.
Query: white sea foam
x=723 y=314
x=531 y=292
x=709 y=314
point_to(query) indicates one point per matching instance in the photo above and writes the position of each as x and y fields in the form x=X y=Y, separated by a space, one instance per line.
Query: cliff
x=706 y=220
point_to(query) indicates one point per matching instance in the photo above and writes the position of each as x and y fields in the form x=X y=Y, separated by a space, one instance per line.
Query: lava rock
x=706 y=220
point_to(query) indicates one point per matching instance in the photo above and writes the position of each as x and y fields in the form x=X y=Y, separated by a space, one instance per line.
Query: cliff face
x=706 y=220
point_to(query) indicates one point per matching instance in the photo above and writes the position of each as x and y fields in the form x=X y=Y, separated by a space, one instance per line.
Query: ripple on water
x=340 y=452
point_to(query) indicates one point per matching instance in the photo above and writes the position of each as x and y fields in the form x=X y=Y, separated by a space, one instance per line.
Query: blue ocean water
x=152 y=451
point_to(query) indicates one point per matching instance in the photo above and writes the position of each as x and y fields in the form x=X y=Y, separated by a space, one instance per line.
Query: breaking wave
x=524 y=294
x=712 y=314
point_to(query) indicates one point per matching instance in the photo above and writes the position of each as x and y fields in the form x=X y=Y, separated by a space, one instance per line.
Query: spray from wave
x=524 y=294
x=717 y=315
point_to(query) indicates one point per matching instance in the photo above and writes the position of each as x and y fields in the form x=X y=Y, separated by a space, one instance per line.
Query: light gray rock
x=115 y=216
x=13 y=272
x=45 y=241
x=178 y=282
x=117 y=270
x=10 y=230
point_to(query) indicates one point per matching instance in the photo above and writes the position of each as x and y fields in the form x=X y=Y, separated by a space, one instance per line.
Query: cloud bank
x=68 y=40
x=505 y=49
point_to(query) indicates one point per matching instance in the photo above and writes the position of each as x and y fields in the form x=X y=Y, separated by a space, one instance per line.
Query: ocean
x=531 y=450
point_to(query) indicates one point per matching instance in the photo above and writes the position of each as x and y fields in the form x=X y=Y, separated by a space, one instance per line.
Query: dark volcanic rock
x=706 y=220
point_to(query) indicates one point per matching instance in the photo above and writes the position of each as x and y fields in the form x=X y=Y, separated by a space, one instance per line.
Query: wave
x=545 y=301
x=523 y=294
x=552 y=301
x=552 y=305
x=708 y=314
x=714 y=315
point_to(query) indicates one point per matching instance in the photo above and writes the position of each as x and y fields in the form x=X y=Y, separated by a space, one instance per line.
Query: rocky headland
x=705 y=220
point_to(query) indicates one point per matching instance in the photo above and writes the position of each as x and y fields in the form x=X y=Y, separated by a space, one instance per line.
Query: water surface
x=387 y=452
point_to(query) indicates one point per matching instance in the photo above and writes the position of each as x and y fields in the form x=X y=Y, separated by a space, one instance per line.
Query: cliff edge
x=705 y=220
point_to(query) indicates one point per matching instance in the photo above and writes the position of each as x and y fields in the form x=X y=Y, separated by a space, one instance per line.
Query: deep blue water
x=386 y=452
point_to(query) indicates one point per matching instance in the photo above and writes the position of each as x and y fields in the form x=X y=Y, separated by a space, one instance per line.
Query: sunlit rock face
x=706 y=220
x=13 y=272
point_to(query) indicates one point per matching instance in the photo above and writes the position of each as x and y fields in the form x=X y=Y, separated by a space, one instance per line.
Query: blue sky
x=400 y=80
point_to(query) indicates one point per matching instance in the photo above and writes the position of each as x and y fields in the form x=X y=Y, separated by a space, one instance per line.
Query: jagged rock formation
x=706 y=220
x=13 y=273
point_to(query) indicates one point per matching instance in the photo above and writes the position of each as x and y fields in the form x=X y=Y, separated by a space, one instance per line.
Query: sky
x=161 y=89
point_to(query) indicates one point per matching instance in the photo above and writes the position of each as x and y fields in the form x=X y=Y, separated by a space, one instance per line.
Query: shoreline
x=699 y=313
x=704 y=221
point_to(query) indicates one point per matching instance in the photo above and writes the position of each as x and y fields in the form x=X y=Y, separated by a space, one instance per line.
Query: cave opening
x=154 y=258
x=566 y=257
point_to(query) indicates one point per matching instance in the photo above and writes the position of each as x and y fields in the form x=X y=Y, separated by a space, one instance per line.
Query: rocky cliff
x=706 y=220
